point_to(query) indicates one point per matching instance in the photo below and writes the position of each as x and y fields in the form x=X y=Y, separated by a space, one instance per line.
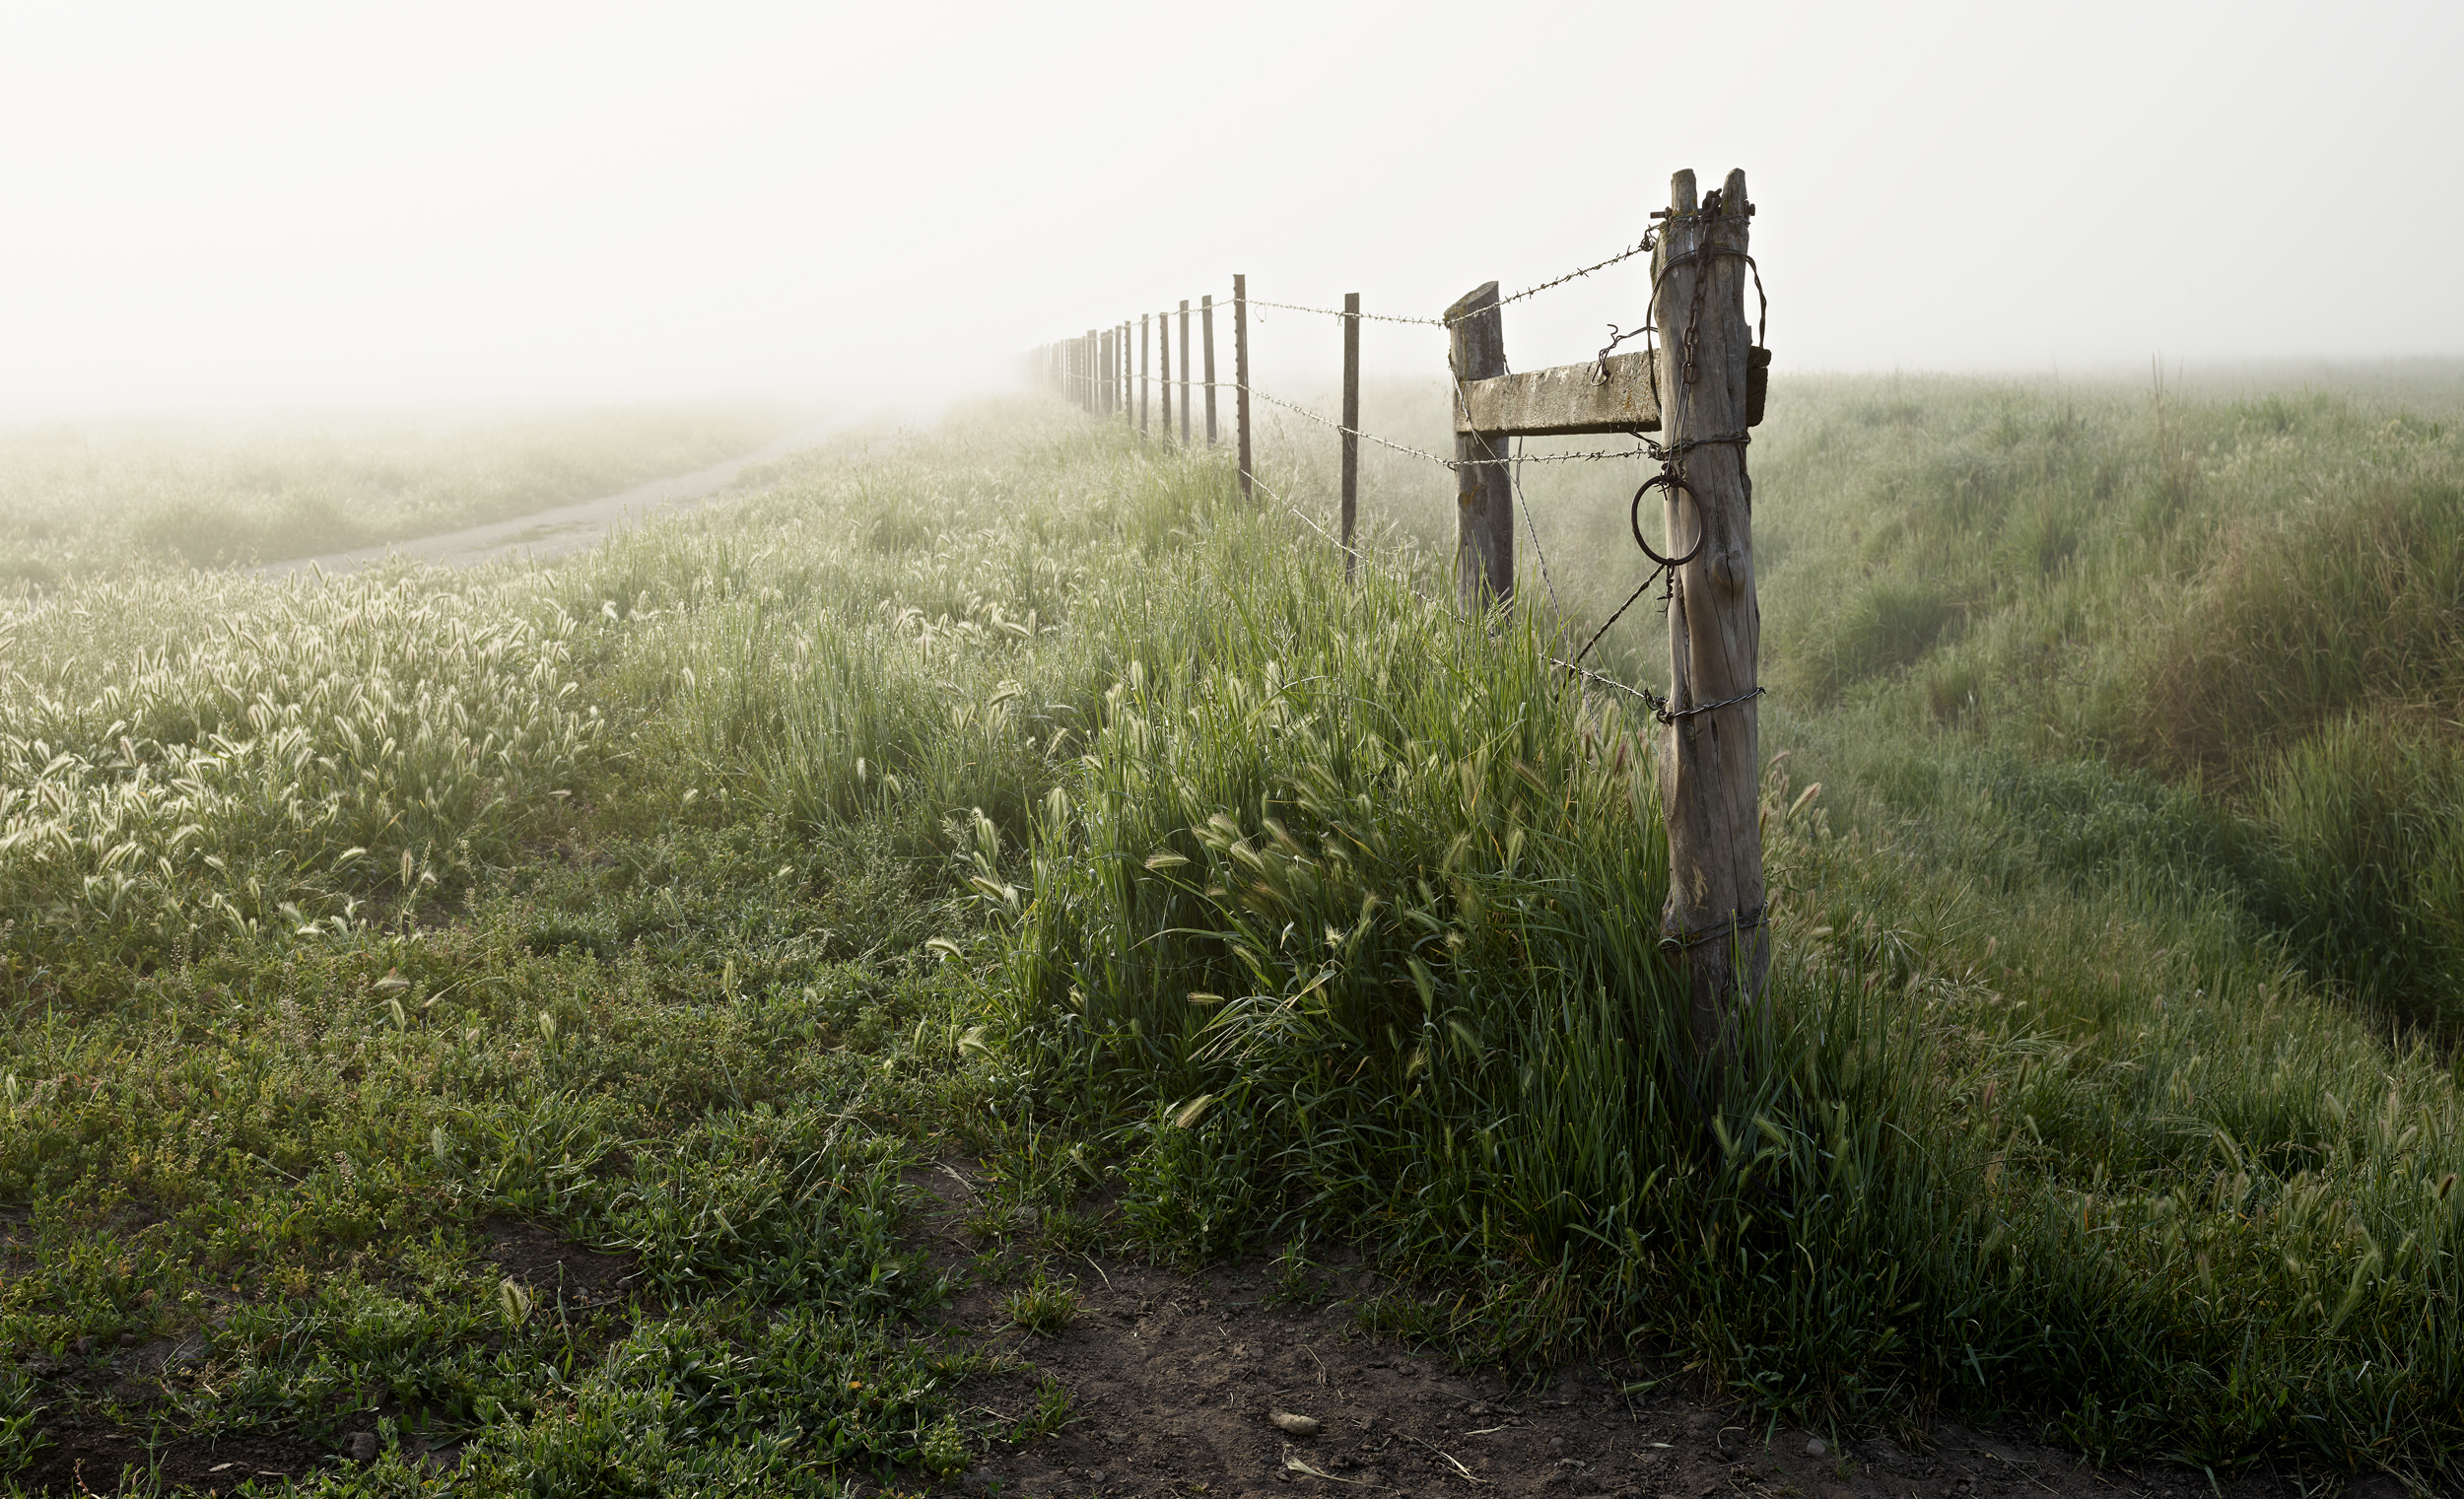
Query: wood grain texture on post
x=1207 y=320
x=1476 y=343
x=1351 y=428
x=1710 y=756
x=1240 y=374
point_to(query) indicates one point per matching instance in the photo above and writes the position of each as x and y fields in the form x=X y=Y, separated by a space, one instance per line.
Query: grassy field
x=75 y=497
x=1016 y=791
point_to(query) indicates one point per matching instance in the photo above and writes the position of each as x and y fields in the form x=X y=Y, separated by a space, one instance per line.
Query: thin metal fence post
x=1240 y=374
x=1351 y=428
x=1206 y=320
x=1163 y=369
x=1146 y=346
x=1185 y=372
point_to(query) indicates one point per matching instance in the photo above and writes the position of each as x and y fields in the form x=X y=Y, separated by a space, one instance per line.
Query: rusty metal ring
x=1635 y=518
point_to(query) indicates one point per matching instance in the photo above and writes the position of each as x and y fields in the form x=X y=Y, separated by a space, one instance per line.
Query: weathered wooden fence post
x=1710 y=757
x=1240 y=373
x=1351 y=428
x=1207 y=320
x=1185 y=372
x=1476 y=344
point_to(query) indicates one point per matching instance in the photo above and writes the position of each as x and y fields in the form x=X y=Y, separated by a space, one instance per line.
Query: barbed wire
x=1649 y=238
x=1289 y=307
x=1589 y=457
x=1304 y=518
x=1340 y=427
x=1658 y=704
x=1515 y=474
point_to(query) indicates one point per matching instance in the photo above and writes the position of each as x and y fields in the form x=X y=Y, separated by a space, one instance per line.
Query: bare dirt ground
x=1174 y=1381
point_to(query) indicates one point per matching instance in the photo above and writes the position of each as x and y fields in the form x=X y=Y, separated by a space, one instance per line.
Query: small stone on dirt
x=1814 y=1447
x=1297 y=1425
x=362 y=1446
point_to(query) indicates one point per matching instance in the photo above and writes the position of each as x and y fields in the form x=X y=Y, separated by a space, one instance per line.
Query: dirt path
x=1174 y=1382
x=566 y=528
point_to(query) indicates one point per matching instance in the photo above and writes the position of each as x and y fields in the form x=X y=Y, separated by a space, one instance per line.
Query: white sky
x=210 y=205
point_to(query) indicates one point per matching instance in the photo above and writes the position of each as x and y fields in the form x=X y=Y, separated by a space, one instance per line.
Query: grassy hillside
x=75 y=498
x=1019 y=791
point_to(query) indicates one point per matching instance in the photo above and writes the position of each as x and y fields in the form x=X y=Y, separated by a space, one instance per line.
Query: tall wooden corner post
x=1476 y=348
x=1710 y=756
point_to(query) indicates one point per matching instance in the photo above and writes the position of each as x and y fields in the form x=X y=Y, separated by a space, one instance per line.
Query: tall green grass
x=178 y=764
x=1052 y=783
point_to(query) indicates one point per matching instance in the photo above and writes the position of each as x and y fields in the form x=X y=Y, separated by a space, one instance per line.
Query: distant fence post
x=1240 y=374
x=1476 y=346
x=1185 y=372
x=1163 y=372
x=1147 y=344
x=1207 y=320
x=1351 y=428
x=1714 y=924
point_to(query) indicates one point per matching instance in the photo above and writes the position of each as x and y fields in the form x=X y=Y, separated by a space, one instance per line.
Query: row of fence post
x=1101 y=374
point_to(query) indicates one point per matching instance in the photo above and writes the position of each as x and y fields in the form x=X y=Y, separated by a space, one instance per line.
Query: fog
x=224 y=206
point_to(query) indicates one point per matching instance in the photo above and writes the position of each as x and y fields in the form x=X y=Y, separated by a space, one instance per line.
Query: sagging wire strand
x=1629 y=252
x=1670 y=456
x=1638 y=451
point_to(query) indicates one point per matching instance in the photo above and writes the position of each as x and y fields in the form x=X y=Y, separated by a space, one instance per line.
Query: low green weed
x=1042 y=1304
